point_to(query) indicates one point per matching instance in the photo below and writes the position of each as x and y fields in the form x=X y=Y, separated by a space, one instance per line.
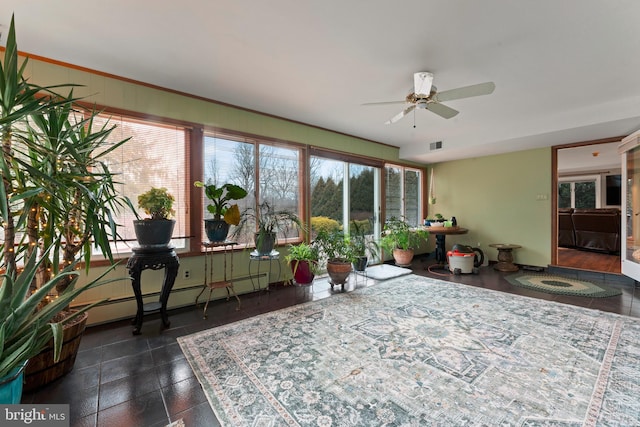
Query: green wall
x=500 y=199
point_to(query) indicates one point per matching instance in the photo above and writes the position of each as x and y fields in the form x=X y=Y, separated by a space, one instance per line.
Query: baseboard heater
x=256 y=279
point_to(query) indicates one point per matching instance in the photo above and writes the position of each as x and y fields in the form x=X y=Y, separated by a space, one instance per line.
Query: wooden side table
x=227 y=271
x=143 y=259
x=505 y=257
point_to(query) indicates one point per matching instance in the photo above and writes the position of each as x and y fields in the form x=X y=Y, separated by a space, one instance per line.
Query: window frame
x=191 y=145
x=573 y=179
x=257 y=141
x=421 y=214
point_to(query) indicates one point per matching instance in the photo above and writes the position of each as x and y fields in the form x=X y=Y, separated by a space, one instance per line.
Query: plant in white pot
x=155 y=231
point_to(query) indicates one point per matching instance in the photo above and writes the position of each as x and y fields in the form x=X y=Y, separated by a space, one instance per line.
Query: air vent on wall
x=435 y=145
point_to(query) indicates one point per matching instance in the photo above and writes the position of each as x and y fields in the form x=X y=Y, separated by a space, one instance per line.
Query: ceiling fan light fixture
x=426 y=97
x=422 y=82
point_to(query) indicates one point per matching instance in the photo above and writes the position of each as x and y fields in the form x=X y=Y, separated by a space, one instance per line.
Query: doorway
x=584 y=177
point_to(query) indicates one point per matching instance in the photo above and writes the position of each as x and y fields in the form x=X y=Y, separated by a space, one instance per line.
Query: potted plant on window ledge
x=399 y=238
x=268 y=222
x=154 y=233
x=224 y=213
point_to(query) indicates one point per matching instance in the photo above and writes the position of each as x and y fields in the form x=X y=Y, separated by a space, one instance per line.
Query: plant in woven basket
x=57 y=201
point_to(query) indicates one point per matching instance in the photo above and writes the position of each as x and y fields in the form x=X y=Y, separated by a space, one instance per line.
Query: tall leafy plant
x=18 y=100
x=64 y=158
x=56 y=202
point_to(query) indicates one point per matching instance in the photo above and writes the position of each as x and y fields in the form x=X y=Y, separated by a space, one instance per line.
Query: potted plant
x=362 y=244
x=303 y=260
x=399 y=238
x=268 y=222
x=334 y=248
x=155 y=231
x=31 y=320
x=56 y=202
x=224 y=213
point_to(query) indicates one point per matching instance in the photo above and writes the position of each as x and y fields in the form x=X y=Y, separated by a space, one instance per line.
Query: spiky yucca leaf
x=26 y=330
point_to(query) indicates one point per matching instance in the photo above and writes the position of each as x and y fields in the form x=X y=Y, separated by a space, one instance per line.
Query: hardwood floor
x=586 y=260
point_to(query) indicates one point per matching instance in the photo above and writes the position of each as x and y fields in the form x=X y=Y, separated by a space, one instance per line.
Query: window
x=155 y=156
x=327 y=194
x=403 y=194
x=336 y=202
x=579 y=192
x=245 y=161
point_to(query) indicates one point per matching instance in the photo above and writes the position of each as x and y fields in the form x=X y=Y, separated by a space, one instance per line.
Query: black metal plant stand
x=153 y=259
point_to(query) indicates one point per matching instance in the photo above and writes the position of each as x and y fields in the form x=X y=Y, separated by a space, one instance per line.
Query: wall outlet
x=187 y=273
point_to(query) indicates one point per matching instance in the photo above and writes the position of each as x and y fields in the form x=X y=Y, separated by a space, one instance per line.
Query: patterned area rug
x=554 y=284
x=415 y=351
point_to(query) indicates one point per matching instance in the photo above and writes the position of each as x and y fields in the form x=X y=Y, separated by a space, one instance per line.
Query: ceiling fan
x=426 y=97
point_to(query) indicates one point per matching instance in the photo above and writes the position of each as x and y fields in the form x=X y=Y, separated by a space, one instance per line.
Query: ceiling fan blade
x=466 y=92
x=385 y=103
x=400 y=115
x=441 y=110
x=422 y=83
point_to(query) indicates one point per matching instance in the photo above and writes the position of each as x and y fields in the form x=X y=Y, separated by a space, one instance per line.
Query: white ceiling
x=590 y=158
x=565 y=71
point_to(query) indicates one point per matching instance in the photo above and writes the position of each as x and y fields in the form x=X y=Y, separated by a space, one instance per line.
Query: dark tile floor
x=124 y=380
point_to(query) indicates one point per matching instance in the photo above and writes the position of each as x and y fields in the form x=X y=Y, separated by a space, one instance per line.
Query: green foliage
x=326 y=199
x=327 y=196
x=221 y=196
x=25 y=329
x=361 y=227
x=398 y=234
x=361 y=193
x=57 y=199
x=268 y=219
x=334 y=246
x=302 y=252
x=157 y=203
x=361 y=240
x=323 y=223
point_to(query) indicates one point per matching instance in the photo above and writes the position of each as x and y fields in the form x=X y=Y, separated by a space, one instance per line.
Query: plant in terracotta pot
x=267 y=221
x=155 y=231
x=303 y=260
x=399 y=238
x=224 y=213
x=363 y=245
x=334 y=248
